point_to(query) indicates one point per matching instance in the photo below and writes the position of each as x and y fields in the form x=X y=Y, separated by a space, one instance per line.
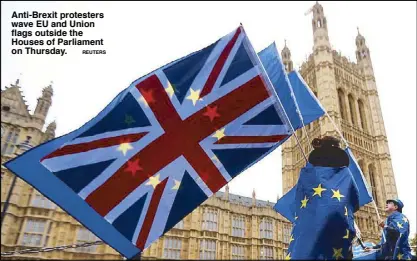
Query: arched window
x=362 y=115
x=6 y=142
x=342 y=105
x=9 y=144
x=373 y=178
x=318 y=23
x=352 y=109
x=16 y=136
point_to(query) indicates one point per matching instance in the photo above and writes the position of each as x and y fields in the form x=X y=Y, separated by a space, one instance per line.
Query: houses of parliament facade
x=226 y=226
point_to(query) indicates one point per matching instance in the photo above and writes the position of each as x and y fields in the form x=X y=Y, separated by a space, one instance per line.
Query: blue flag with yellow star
x=325 y=200
x=287 y=209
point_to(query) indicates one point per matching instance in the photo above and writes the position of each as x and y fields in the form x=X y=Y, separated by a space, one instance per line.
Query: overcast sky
x=140 y=37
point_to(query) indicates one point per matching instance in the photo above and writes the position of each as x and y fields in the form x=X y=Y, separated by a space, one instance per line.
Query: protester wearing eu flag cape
x=302 y=108
x=326 y=198
x=397 y=231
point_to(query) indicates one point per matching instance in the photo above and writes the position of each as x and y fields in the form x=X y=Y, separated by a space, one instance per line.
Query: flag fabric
x=287 y=209
x=372 y=255
x=163 y=146
x=325 y=201
x=286 y=205
x=365 y=194
x=308 y=104
x=273 y=65
x=360 y=254
x=297 y=99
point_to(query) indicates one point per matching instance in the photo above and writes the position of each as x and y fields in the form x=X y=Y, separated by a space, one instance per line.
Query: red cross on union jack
x=218 y=111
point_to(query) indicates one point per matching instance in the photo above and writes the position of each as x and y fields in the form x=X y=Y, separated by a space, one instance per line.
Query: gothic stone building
x=31 y=219
x=226 y=226
x=348 y=92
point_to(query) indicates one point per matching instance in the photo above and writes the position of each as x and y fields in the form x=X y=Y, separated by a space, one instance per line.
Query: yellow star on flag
x=346 y=211
x=291 y=239
x=288 y=257
x=304 y=202
x=400 y=256
x=399 y=225
x=337 y=253
x=177 y=185
x=154 y=181
x=405 y=220
x=124 y=147
x=336 y=194
x=170 y=90
x=318 y=190
x=194 y=96
x=347 y=234
x=219 y=134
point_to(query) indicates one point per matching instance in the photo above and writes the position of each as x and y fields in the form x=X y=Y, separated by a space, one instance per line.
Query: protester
x=397 y=230
x=326 y=199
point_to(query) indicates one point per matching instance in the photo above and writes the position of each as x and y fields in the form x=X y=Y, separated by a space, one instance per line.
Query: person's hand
x=367 y=249
x=382 y=223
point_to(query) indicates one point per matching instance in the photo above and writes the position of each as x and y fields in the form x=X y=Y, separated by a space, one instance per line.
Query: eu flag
x=287 y=209
x=325 y=200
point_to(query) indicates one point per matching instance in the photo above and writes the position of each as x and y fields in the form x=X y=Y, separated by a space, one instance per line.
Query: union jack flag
x=164 y=145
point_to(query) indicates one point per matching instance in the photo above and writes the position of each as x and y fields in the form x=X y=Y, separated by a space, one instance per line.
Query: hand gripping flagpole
x=347 y=146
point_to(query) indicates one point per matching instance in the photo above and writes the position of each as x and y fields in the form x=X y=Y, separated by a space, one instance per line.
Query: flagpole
x=271 y=86
x=299 y=111
x=379 y=218
x=358 y=234
x=337 y=129
x=347 y=146
x=7 y=202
